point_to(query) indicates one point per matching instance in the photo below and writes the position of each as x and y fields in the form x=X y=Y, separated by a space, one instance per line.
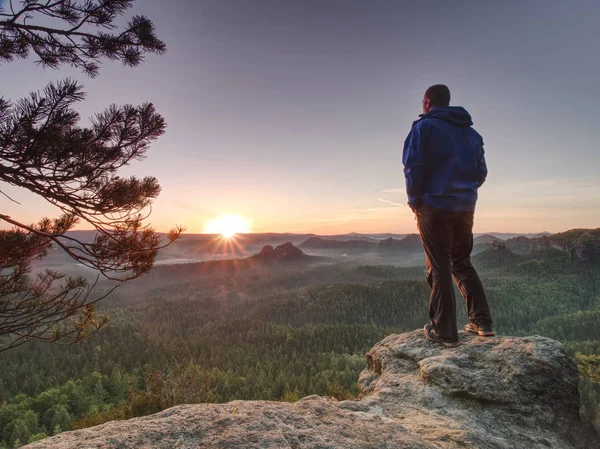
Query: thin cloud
x=390 y=202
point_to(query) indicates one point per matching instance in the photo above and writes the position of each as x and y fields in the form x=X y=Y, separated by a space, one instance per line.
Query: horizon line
x=355 y=233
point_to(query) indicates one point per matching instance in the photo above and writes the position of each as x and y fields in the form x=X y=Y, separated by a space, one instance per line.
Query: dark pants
x=447 y=238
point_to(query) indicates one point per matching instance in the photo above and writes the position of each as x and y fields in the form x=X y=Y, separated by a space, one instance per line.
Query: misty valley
x=280 y=317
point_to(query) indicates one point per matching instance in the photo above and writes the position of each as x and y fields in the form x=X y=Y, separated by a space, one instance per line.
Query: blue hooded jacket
x=444 y=161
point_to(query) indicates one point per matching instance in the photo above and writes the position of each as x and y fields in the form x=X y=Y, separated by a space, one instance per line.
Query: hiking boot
x=482 y=331
x=431 y=334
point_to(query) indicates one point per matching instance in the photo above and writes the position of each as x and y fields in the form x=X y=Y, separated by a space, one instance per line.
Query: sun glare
x=227 y=225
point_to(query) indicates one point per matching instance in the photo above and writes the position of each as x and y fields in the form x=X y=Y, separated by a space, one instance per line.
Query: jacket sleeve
x=413 y=158
x=481 y=166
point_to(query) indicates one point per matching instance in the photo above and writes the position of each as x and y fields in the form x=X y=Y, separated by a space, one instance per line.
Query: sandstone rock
x=313 y=422
x=501 y=393
x=498 y=245
x=489 y=393
x=286 y=251
x=586 y=251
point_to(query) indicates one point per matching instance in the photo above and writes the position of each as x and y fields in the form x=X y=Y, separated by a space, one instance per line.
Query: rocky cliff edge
x=489 y=393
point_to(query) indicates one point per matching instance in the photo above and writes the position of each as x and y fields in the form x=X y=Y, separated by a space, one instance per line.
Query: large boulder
x=492 y=393
x=489 y=393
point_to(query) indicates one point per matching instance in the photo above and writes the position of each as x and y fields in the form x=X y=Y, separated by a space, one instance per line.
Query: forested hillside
x=253 y=331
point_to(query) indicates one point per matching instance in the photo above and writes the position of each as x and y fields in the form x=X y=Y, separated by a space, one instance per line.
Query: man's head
x=436 y=96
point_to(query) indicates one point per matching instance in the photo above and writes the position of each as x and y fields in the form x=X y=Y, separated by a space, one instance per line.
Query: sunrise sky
x=293 y=114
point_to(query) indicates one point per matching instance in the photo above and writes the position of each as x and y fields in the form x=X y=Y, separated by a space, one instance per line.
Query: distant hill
x=510 y=235
x=495 y=257
x=367 y=237
x=566 y=240
x=321 y=243
x=485 y=238
x=548 y=244
x=410 y=243
x=255 y=266
x=386 y=236
x=390 y=243
x=193 y=248
x=351 y=236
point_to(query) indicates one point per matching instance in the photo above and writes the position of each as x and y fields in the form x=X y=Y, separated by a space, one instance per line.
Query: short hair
x=439 y=95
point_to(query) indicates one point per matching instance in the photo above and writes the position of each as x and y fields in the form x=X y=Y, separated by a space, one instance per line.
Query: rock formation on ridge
x=286 y=251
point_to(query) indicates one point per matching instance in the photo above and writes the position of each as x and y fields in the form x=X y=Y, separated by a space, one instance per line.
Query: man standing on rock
x=444 y=165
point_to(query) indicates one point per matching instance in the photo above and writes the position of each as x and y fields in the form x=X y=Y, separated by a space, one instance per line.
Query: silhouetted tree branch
x=86 y=35
x=45 y=151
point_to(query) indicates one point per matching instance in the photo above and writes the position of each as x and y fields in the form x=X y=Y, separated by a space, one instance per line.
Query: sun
x=227 y=225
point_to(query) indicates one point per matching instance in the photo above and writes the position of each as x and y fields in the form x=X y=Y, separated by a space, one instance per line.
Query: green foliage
x=578 y=326
x=336 y=390
x=280 y=334
x=291 y=396
x=37 y=437
x=567 y=239
x=589 y=366
x=76 y=169
x=59 y=418
x=491 y=259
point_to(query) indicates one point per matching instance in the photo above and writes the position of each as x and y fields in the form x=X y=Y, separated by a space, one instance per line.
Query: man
x=444 y=165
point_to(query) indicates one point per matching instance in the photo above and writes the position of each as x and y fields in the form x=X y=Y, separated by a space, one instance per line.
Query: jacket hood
x=455 y=115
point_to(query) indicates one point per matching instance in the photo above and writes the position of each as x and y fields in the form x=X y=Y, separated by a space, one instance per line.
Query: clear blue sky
x=293 y=113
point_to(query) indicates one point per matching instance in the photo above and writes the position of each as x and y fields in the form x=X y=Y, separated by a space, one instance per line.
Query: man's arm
x=413 y=158
x=481 y=166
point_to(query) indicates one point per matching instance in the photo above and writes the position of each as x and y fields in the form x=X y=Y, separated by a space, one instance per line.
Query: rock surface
x=495 y=393
x=489 y=393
